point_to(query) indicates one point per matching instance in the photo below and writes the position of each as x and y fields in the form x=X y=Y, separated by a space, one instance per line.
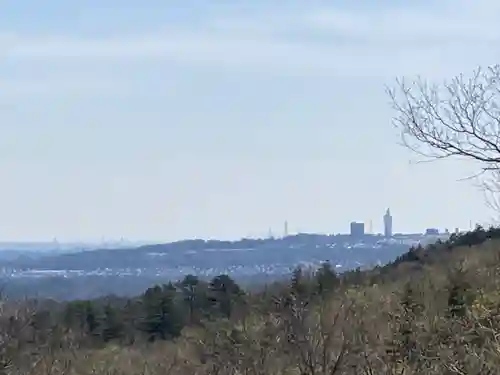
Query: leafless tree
x=459 y=119
x=315 y=338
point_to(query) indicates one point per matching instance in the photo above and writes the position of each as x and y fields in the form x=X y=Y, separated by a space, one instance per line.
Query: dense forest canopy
x=433 y=310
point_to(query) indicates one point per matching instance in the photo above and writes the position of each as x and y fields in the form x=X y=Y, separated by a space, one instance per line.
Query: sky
x=163 y=120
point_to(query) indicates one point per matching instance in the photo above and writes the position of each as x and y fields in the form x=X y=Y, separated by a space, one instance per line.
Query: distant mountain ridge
x=290 y=249
x=126 y=271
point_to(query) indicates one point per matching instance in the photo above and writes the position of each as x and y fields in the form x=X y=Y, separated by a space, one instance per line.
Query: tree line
x=434 y=309
x=162 y=311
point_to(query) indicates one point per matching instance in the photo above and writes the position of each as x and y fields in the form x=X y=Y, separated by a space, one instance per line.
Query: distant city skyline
x=387 y=229
x=273 y=231
x=220 y=119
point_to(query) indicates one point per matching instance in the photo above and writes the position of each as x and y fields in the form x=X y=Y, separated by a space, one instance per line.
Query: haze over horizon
x=167 y=121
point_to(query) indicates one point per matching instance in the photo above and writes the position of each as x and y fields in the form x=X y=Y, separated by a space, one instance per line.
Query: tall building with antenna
x=388 y=224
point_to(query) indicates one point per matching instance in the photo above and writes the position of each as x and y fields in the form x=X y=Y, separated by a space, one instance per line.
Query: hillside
x=434 y=311
x=128 y=272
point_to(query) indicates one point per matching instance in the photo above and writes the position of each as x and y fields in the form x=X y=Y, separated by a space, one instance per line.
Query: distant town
x=358 y=230
x=358 y=234
x=123 y=267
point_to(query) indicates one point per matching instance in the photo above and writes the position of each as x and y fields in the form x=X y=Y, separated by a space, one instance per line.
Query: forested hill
x=126 y=272
x=431 y=310
x=212 y=252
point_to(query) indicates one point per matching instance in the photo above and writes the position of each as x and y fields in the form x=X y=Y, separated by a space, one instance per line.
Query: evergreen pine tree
x=113 y=326
x=326 y=280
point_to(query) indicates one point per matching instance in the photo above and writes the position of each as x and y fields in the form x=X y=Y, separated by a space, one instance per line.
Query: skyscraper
x=388 y=223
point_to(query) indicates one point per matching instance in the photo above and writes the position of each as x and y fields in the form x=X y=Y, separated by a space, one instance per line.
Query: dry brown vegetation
x=433 y=311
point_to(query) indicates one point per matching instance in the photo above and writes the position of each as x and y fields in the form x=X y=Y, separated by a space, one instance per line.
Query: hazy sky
x=173 y=119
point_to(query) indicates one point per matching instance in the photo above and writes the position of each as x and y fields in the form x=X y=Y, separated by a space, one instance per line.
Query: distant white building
x=388 y=224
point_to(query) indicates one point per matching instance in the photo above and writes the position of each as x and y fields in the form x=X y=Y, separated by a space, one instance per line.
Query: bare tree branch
x=459 y=119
